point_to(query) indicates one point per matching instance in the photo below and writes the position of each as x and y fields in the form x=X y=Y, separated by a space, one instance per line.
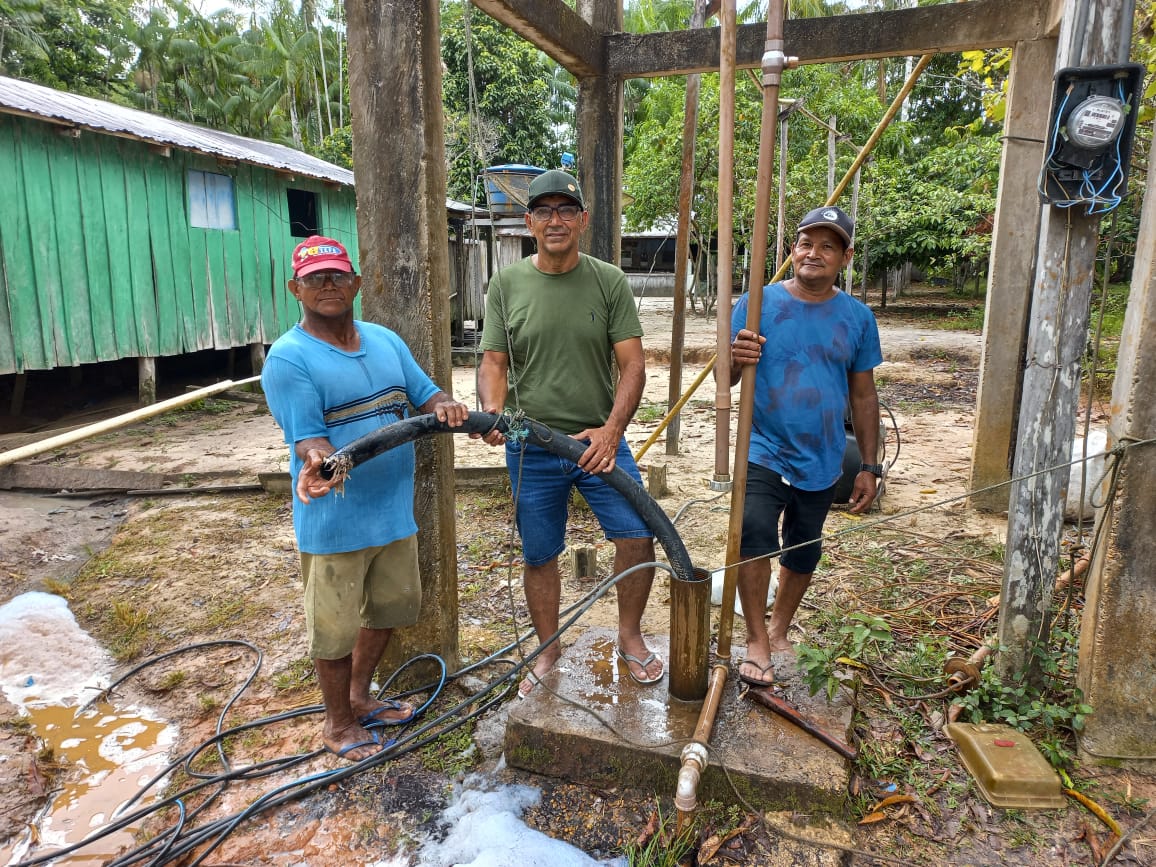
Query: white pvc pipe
x=119 y=421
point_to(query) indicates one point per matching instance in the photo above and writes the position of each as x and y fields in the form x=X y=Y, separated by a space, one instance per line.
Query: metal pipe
x=790 y=713
x=695 y=753
x=690 y=637
x=728 y=36
x=774 y=62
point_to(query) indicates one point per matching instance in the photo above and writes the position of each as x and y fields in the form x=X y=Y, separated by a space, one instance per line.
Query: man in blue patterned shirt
x=329 y=380
x=816 y=348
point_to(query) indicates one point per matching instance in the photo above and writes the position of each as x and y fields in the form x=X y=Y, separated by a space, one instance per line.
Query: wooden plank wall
x=98 y=260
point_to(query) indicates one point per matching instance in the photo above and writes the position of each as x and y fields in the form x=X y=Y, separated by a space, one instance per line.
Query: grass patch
x=453 y=753
x=297 y=674
x=649 y=412
x=171 y=680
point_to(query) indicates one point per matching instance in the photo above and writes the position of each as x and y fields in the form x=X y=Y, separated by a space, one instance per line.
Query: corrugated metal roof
x=23 y=97
x=97 y=114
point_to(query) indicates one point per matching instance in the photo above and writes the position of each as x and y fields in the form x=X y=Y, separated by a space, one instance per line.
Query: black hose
x=407 y=430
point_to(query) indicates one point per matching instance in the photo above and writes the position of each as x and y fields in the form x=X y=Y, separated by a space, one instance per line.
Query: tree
x=511 y=93
x=76 y=45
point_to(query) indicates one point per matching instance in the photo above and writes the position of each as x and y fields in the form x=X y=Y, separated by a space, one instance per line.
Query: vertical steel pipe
x=689 y=636
x=774 y=62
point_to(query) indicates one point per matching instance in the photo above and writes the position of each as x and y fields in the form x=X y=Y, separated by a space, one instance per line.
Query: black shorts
x=769 y=497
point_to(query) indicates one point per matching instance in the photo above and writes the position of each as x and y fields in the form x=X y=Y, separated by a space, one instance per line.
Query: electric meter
x=1096 y=122
x=1089 y=139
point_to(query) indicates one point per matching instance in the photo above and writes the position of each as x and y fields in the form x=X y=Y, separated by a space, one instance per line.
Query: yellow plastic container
x=1008 y=769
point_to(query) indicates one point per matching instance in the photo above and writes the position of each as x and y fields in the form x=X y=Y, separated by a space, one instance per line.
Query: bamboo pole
x=119 y=421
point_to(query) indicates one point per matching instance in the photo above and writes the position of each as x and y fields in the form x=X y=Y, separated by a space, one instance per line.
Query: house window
x=302 y=213
x=211 y=201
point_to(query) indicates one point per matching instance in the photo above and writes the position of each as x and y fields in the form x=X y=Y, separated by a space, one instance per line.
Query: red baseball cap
x=316 y=253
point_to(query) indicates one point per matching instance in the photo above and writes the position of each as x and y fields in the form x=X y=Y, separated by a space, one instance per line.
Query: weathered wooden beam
x=902 y=32
x=553 y=27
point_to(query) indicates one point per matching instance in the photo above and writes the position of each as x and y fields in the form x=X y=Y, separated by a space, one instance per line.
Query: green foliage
x=667 y=847
x=821 y=665
x=514 y=111
x=452 y=753
x=1050 y=710
x=939 y=219
x=337 y=147
x=76 y=45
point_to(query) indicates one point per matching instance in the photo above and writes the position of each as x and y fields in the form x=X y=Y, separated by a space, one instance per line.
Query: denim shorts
x=541 y=483
x=803 y=512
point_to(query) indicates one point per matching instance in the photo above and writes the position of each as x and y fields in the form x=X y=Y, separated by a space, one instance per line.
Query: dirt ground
x=190 y=567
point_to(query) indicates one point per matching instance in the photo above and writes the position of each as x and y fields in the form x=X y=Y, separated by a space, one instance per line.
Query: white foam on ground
x=485 y=829
x=45 y=657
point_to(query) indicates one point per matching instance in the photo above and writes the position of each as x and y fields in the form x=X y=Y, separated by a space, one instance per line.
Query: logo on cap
x=830 y=215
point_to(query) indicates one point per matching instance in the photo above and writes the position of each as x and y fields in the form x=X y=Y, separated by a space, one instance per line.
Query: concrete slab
x=589 y=723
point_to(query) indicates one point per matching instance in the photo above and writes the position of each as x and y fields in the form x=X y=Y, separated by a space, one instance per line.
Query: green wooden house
x=124 y=234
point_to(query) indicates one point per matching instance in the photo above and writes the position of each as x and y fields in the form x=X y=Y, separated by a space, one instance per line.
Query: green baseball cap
x=555 y=183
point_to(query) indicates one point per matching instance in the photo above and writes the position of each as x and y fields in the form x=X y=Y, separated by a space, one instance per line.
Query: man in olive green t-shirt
x=555 y=323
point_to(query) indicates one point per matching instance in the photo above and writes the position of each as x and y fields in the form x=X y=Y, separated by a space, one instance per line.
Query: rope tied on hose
x=516 y=423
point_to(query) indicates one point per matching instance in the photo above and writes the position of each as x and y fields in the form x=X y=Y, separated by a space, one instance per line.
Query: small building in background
x=128 y=235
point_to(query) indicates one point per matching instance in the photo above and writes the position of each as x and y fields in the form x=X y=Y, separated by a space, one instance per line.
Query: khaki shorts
x=374 y=588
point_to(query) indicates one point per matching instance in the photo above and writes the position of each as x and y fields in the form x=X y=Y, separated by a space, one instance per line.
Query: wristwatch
x=873 y=469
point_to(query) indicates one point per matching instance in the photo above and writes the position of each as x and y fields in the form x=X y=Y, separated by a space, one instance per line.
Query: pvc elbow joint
x=694 y=759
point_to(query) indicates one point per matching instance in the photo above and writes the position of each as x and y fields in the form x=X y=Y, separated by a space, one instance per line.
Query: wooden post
x=1091 y=33
x=19 y=385
x=584 y=562
x=1117 y=669
x=1009 y=286
x=256 y=357
x=682 y=242
x=656 y=484
x=396 y=97
x=831 y=127
x=146 y=369
x=599 y=116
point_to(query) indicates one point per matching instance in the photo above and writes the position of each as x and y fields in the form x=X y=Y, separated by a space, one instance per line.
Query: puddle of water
x=48 y=667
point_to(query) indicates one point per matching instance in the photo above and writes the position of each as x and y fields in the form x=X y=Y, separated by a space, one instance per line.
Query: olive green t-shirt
x=559 y=332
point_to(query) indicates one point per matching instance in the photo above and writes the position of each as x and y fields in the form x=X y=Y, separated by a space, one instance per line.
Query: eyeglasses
x=342 y=280
x=543 y=213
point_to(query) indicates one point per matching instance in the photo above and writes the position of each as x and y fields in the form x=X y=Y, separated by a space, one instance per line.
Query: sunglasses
x=342 y=280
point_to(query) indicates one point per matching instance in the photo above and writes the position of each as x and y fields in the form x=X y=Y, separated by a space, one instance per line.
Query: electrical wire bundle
x=1097 y=187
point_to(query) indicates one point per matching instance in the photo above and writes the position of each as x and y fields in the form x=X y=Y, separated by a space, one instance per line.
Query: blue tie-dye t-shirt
x=801 y=381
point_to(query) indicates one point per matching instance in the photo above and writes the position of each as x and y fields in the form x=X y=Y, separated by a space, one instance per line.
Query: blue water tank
x=508 y=187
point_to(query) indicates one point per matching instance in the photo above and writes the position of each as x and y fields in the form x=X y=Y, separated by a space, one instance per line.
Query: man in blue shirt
x=329 y=380
x=817 y=349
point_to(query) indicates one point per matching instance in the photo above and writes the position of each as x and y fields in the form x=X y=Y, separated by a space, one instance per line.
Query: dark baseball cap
x=831 y=217
x=555 y=183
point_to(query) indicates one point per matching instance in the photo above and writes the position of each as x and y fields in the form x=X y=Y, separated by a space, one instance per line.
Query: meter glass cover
x=1096 y=122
